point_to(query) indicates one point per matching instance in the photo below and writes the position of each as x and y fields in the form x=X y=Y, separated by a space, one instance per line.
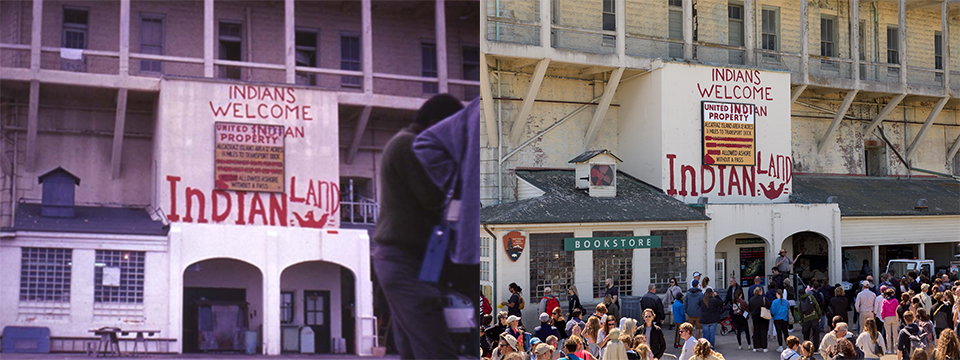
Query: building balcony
x=366 y=50
x=641 y=32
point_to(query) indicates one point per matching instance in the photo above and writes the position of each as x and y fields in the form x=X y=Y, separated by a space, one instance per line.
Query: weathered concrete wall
x=844 y=152
x=554 y=149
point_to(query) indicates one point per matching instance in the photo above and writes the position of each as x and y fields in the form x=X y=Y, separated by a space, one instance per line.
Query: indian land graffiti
x=317 y=201
x=769 y=178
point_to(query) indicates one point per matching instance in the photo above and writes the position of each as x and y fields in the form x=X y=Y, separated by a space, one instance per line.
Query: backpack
x=916 y=341
x=806 y=306
x=552 y=303
x=521 y=301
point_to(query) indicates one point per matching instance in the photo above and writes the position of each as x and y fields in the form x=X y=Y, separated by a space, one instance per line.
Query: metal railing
x=359 y=212
x=778 y=60
x=831 y=66
x=583 y=39
x=924 y=76
x=654 y=46
x=882 y=72
x=719 y=53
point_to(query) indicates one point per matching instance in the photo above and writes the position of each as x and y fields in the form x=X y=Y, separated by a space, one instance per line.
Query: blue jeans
x=710 y=333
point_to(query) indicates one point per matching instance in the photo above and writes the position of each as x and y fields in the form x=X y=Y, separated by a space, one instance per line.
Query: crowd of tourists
x=913 y=317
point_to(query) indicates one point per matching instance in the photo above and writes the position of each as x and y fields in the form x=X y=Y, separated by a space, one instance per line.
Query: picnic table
x=110 y=340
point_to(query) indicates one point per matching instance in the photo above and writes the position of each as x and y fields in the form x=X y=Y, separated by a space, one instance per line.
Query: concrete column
x=902 y=32
x=688 y=29
x=207 y=39
x=875 y=259
x=583 y=269
x=175 y=288
x=36 y=31
x=921 y=251
x=804 y=41
x=366 y=43
x=749 y=28
x=835 y=257
x=945 y=46
x=124 y=38
x=546 y=28
x=33 y=118
x=441 y=28
x=271 y=297
x=118 y=130
x=364 y=302
x=855 y=39
x=289 y=32
x=621 y=14
x=641 y=265
x=776 y=239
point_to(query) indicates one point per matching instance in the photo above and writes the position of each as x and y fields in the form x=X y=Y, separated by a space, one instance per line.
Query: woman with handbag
x=740 y=312
x=870 y=341
x=759 y=308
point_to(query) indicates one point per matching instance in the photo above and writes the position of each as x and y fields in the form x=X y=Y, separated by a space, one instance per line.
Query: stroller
x=726 y=325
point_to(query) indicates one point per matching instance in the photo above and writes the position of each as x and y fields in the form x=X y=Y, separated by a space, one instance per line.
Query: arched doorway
x=814 y=261
x=742 y=256
x=222 y=301
x=322 y=296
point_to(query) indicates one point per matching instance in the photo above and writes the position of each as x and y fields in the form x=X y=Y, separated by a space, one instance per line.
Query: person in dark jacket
x=692 y=307
x=732 y=289
x=760 y=325
x=903 y=341
x=654 y=334
x=573 y=300
x=711 y=305
x=545 y=329
x=411 y=204
x=942 y=317
x=650 y=300
x=839 y=305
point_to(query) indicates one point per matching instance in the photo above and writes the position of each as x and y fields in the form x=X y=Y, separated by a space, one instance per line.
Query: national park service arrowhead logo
x=513 y=244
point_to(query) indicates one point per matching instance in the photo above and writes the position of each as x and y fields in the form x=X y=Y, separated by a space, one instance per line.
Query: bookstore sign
x=611 y=243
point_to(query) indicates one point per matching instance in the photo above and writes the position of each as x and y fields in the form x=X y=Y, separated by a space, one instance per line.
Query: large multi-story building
x=667 y=137
x=170 y=163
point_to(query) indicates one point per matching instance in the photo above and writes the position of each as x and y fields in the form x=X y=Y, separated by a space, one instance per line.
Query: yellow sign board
x=729 y=137
x=249 y=157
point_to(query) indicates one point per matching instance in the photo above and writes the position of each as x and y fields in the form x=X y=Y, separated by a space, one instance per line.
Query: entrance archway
x=222 y=300
x=743 y=256
x=814 y=261
x=321 y=296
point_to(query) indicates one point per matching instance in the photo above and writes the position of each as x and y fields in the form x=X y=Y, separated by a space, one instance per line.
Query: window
x=484 y=253
x=118 y=276
x=938 y=56
x=670 y=260
x=231 y=48
x=306 y=53
x=471 y=70
x=609 y=22
x=893 y=50
x=875 y=159
x=286 y=307
x=675 y=29
x=151 y=41
x=428 y=57
x=614 y=264
x=735 y=31
x=75 y=26
x=350 y=59
x=828 y=42
x=550 y=265
x=769 y=31
x=45 y=274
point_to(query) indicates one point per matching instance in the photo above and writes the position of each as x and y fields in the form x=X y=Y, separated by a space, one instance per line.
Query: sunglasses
x=503 y=345
x=647 y=316
x=684 y=331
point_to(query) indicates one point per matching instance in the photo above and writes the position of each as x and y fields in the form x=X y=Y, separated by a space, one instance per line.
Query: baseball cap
x=544 y=317
x=512 y=318
x=511 y=340
x=695 y=283
x=696 y=273
x=543 y=348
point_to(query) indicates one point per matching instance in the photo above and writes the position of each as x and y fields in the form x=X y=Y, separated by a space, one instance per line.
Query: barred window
x=550 y=265
x=118 y=276
x=616 y=264
x=670 y=260
x=45 y=274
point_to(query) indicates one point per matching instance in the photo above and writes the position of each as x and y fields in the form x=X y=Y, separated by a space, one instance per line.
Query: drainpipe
x=499 y=132
x=493 y=265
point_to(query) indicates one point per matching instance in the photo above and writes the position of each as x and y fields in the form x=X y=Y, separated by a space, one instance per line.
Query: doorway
x=316 y=315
